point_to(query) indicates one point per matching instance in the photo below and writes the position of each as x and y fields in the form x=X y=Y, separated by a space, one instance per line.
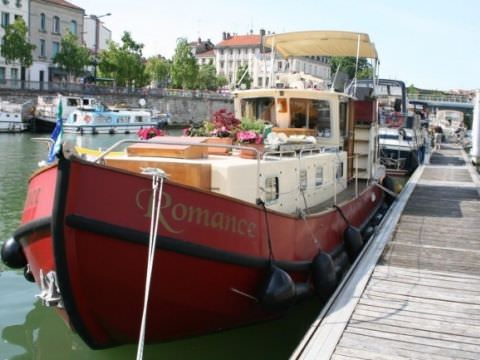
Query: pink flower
x=249 y=137
x=148 y=133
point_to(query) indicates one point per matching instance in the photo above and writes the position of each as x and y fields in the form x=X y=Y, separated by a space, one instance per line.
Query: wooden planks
x=422 y=301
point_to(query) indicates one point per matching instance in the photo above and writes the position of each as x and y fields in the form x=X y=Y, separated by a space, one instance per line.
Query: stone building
x=235 y=51
x=10 y=11
x=50 y=20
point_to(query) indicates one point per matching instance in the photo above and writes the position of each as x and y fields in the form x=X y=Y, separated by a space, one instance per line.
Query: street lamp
x=97 y=40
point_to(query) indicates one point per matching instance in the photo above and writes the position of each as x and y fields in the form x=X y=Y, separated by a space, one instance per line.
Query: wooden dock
x=415 y=293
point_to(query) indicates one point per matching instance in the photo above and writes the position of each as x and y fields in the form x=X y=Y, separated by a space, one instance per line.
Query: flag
x=57 y=133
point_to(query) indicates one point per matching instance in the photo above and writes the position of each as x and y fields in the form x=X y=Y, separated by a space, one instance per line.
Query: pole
x=97 y=38
x=475 y=151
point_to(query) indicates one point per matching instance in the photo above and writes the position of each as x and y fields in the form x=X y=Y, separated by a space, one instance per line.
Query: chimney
x=199 y=40
x=229 y=36
x=224 y=36
x=262 y=33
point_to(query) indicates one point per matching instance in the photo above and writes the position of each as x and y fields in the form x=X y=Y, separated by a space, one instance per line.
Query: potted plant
x=220 y=129
x=252 y=134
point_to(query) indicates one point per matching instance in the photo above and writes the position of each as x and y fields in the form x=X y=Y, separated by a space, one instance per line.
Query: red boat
x=238 y=240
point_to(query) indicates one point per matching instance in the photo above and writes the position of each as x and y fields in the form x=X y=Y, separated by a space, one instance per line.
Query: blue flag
x=57 y=133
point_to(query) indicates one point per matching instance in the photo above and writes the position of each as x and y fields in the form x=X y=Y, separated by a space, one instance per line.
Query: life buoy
x=394 y=119
x=87 y=119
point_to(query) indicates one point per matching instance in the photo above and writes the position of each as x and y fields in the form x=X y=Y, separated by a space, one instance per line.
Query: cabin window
x=259 y=108
x=319 y=176
x=311 y=114
x=72 y=102
x=138 y=119
x=303 y=179
x=271 y=189
x=339 y=172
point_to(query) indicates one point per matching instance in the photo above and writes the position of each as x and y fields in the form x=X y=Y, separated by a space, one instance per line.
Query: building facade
x=96 y=35
x=50 y=20
x=235 y=51
x=10 y=11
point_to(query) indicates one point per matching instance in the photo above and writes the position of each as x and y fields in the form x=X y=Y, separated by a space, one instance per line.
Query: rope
x=157 y=175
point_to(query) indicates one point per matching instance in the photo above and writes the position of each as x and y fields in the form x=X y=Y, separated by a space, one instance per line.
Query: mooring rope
x=158 y=176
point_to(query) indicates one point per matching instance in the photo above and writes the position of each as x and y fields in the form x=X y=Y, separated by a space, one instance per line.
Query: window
x=2 y=73
x=55 y=48
x=303 y=179
x=56 y=25
x=271 y=189
x=18 y=3
x=343 y=118
x=43 y=22
x=5 y=19
x=42 y=48
x=311 y=114
x=259 y=108
x=73 y=27
x=14 y=73
x=319 y=176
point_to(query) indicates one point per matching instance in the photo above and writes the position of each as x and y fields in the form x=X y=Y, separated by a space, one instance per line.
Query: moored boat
x=400 y=135
x=238 y=240
x=103 y=120
x=46 y=108
x=14 y=117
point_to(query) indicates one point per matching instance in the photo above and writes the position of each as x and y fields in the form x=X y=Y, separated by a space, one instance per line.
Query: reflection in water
x=44 y=336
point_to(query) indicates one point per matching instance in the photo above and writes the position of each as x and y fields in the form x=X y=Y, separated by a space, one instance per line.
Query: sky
x=431 y=44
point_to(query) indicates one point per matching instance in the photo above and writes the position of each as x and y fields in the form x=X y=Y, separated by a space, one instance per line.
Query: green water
x=31 y=331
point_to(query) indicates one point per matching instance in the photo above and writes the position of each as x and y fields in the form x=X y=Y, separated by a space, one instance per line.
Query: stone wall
x=184 y=110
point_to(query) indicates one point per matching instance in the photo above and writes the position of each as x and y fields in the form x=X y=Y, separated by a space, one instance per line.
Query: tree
x=243 y=77
x=207 y=77
x=347 y=65
x=124 y=62
x=184 y=66
x=72 y=57
x=15 y=45
x=158 y=70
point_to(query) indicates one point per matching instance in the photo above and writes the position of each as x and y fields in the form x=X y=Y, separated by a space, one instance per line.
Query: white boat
x=14 y=117
x=46 y=109
x=103 y=120
x=399 y=135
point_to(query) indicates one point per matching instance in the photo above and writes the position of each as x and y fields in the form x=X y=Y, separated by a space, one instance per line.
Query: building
x=10 y=11
x=235 y=51
x=50 y=20
x=96 y=35
x=203 y=51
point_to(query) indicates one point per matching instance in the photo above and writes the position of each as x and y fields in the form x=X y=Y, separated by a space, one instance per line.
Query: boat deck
x=415 y=292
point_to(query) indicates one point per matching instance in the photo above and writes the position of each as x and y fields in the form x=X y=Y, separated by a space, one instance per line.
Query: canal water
x=31 y=331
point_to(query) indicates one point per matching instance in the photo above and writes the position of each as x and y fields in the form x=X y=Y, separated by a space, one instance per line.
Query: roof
x=322 y=43
x=208 y=53
x=241 y=40
x=65 y=3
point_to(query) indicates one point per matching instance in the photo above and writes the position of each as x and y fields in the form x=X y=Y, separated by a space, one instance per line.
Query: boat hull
x=211 y=261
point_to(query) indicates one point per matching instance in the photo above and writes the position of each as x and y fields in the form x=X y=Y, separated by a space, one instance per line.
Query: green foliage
x=207 y=78
x=124 y=62
x=246 y=80
x=158 y=69
x=73 y=57
x=15 y=45
x=347 y=65
x=184 y=66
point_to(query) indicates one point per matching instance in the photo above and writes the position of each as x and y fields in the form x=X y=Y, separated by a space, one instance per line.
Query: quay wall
x=183 y=108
